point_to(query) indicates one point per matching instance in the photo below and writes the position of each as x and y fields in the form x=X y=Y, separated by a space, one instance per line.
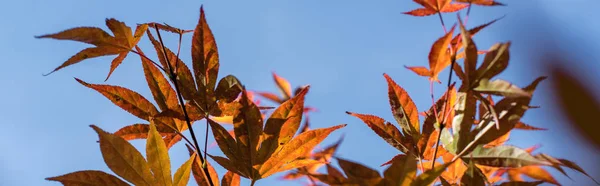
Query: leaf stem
x=185 y=114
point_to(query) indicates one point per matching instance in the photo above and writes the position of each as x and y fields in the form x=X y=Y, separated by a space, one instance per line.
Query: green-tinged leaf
x=448 y=141
x=503 y=156
x=123 y=159
x=473 y=176
x=386 y=131
x=404 y=109
x=464 y=114
x=182 y=175
x=429 y=176
x=402 y=171
x=230 y=179
x=158 y=157
x=88 y=178
x=282 y=125
x=470 y=61
x=127 y=99
x=297 y=147
x=247 y=126
x=163 y=93
x=358 y=173
x=228 y=89
x=510 y=111
x=430 y=119
x=521 y=183
x=495 y=61
x=205 y=55
x=501 y=88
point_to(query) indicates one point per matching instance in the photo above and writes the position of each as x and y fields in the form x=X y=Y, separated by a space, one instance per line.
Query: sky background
x=340 y=48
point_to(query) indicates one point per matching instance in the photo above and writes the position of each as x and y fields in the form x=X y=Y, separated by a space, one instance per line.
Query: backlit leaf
x=385 y=130
x=501 y=88
x=205 y=55
x=158 y=157
x=230 y=179
x=295 y=148
x=503 y=156
x=403 y=108
x=128 y=100
x=89 y=178
x=123 y=159
x=182 y=175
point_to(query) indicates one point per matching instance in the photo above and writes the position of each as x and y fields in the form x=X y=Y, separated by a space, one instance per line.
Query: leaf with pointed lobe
x=282 y=125
x=524 y=126
x=226 y=142
x=495 y=61
x=403 y=108
x=127 y=99
x=172 y=139
x=284 y=86
x=205 y=55
x=248 y=126
x=182 y=175
x=230 y=179
x=386 y=131
x=124 y=159
x=359 y=173
x=270 y=96
x=402 y=170
x=439 y=58
x=163 y=93
x=158 y=157
x=139 y=131
x=473 y=176
x=456 y=45
x=501 y=88
x=436 y=6
x=168 y=28
x=429 y=176
x=503 y=156
x=184 y=75
x=295 y=148
x=88 y=178
x=470 y=61
x=481 y=2
x=228 y=89
x=198 y=172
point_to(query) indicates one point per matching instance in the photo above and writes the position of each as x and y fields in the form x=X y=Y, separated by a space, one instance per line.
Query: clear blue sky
x=341 y=48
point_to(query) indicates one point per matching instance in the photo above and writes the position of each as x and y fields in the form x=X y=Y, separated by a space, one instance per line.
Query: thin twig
x=185 y=114
x=443 y=125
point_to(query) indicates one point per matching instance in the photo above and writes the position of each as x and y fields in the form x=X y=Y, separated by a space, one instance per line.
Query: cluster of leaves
x=460 y=141
x=254 y=149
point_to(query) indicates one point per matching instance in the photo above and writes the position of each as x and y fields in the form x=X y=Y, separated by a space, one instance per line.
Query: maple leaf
x=431 y=7
x=323 y=155
x=285 y=90
x=439 y=58
x=257 y=153
x=120 y=44
x=128 y=163
x=481 y=2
